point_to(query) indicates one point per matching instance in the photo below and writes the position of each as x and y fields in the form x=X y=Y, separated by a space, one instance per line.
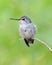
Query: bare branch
x=45 y=44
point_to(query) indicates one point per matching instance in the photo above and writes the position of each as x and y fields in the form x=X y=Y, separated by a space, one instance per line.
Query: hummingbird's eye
x=23 y=19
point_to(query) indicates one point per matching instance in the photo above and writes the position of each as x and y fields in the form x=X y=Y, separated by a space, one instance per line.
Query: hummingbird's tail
x=29 y=41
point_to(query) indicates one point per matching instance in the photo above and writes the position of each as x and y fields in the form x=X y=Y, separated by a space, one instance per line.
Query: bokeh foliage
x=13 y=50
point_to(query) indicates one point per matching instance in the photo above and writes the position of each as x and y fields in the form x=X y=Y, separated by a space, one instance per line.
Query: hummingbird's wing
x=29 y=33
x=31 y=30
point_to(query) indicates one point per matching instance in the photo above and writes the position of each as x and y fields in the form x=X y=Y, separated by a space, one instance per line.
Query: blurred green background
x=13 y=50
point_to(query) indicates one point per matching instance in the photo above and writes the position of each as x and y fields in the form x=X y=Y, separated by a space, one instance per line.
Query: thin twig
x=45 y=44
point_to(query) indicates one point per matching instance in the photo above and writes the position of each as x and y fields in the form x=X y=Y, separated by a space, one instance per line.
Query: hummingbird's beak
x=14 y=19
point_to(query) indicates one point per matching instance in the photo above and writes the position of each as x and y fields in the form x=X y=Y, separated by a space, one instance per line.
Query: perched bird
x=27 y=29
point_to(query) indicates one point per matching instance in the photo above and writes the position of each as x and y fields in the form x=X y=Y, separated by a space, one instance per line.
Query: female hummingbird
x=27 y=29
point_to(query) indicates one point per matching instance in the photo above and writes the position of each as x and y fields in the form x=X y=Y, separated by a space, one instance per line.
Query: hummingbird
x=27 y=29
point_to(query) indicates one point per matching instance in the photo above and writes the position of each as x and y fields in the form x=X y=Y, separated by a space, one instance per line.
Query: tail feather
x=29 y=41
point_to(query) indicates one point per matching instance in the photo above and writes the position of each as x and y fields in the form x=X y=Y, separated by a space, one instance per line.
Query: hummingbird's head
x=23 y=19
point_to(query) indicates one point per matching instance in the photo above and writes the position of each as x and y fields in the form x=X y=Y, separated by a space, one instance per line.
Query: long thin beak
x=14 y=19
